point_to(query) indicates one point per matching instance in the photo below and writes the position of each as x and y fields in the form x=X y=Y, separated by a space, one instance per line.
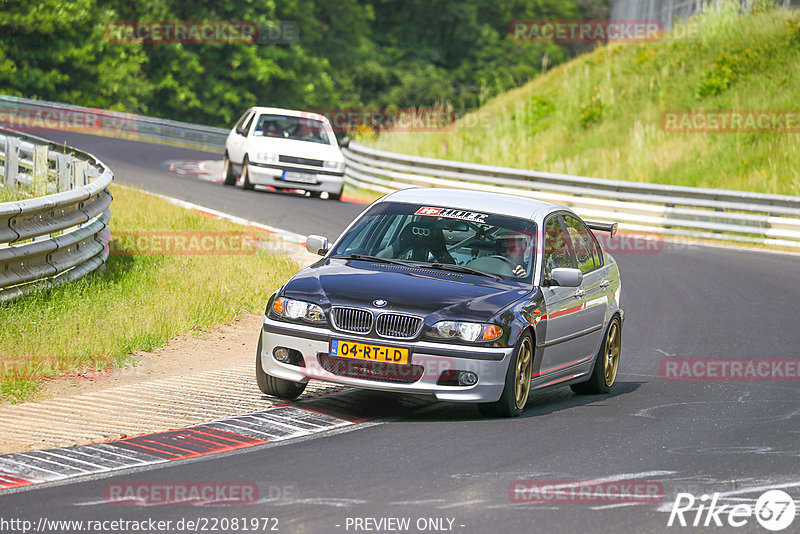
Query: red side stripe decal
x=560 y=367
x=567 y=311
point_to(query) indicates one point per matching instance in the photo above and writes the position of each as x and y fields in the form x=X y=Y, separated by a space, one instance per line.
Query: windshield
x=296 y=128
x=439 y=237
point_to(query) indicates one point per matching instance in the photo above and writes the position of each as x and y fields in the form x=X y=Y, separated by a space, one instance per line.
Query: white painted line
x=280 y=424
x=240 y=429
x=311 y=423
x=68 y=461
x=37 y=455
x=28 y=467
x=123 y=453
x=616 y=505
x=96 y=457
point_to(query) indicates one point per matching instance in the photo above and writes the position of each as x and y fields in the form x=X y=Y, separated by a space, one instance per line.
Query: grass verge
x=358 y=194
x=138 y=303
x=601 y=114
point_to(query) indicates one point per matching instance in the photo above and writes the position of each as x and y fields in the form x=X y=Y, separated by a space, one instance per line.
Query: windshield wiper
x=366 y=257
x=462 y=269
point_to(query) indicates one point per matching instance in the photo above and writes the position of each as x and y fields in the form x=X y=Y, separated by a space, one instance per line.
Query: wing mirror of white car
x=566 y=277
x=316 y=244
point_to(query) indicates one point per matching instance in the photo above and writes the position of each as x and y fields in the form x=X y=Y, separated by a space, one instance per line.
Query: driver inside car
x=515 y=246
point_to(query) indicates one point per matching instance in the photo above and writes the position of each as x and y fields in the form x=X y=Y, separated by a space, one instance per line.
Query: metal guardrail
x=25 y=114
x=56 y=238
x=741 y=216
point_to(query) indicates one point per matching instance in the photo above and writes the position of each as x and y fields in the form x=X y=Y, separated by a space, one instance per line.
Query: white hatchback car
x=285 y=149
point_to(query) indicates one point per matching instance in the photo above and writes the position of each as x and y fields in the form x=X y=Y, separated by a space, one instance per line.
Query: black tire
x=276 y=387
x=229 y=177
x=335 y=196
x=246 y=176
x=606 y=364
x=315 y=194
x=518 y=382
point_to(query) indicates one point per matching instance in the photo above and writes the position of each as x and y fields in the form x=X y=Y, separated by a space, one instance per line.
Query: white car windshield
x=446 y=238
x=296 y=128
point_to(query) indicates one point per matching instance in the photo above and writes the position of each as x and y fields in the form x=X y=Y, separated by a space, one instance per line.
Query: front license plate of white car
x=364 y=351
x=301 y=177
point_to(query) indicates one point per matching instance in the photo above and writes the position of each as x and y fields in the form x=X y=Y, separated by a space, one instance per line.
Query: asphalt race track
x=144 y=165
x=735 y=438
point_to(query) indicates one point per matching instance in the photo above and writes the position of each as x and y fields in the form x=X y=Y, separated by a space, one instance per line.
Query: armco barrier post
x=63 y=163
x=89 y=175
x=12 y=161
x=39 y=165
x=78 y=176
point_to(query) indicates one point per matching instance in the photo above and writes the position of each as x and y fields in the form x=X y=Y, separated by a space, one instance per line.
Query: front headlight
x=333 y=165
x=295 y=310
x=267 y=157
x=466 y=331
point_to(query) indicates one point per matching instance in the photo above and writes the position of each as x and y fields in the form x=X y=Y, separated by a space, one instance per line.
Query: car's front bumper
x=490 y=364
x=271 y=175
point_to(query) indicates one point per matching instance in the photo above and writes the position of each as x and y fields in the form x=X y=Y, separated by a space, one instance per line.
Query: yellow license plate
x=363 y=351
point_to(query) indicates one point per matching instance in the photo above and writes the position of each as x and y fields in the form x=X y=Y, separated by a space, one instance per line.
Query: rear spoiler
x=603 y=227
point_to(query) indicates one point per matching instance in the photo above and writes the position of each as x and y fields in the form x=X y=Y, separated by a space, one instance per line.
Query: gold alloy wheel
x=611 y=359
x=522 y=382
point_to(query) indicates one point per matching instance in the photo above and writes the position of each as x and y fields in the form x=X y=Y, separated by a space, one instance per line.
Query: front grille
x=368 y=370
x=398 y=326
x=352 y=320
x=300 y=161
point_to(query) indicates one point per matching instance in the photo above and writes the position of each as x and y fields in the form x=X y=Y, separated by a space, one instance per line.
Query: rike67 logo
x=774 y=510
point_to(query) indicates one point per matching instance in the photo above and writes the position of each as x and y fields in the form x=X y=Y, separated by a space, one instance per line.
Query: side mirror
x=566 y=277
x=316 y=244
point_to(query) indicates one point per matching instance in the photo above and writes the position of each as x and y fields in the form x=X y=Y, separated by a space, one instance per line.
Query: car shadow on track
x=539 y=404
x=364 y=405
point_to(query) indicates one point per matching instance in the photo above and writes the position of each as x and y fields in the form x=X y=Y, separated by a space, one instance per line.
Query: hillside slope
x=601 y=114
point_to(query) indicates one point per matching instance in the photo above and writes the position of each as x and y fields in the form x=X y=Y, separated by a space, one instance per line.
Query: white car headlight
x=267 y=157
x=466 y=331
x=298 y=310
x=333 y=165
